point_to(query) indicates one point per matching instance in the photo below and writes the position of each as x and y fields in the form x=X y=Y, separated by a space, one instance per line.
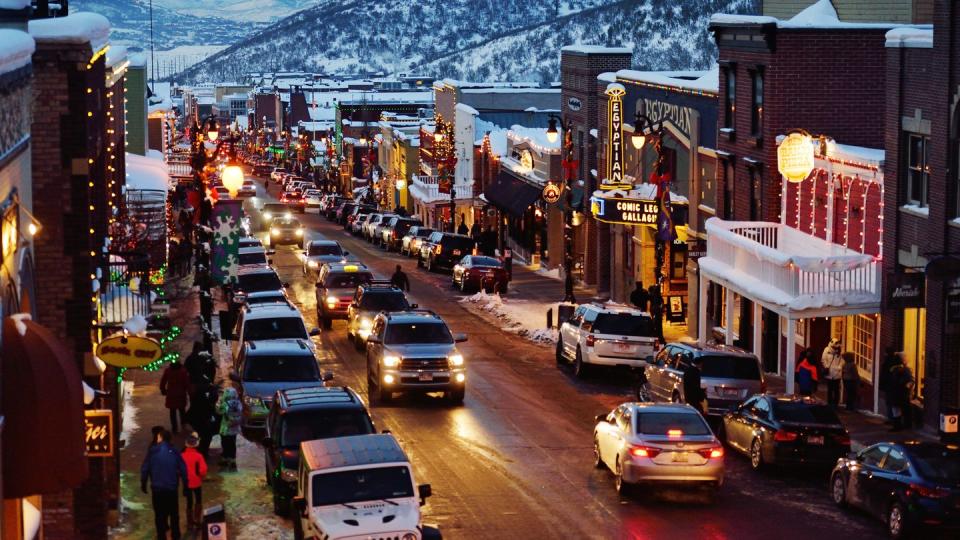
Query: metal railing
x=125 y=289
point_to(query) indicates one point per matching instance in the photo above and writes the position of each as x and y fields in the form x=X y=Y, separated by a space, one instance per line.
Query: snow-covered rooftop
x=910 y=37
x=596 y=49
x=505 y=90
x=704 y=81
x=75 y=28
x=536 y=137
x=468 y=84
x=16 y=49
x=146 y=173
x=821 y=15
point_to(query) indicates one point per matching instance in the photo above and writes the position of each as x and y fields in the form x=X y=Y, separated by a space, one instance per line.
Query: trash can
x=950 y=426
x=214 y=523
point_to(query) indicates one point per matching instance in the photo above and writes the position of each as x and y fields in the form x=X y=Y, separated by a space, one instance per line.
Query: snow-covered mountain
x=471 y=39
x=238 y=10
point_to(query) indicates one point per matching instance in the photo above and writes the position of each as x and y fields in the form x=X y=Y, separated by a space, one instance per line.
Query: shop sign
x=574 y=104
x=551 y=193
x=625 y=211
x=98 y=432
x=795 y=157
x=128 y=351
x=906 y=290
x=614 y=179
x=661 y=111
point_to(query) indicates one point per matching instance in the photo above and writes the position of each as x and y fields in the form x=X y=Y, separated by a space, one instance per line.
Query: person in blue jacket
x=165 y=469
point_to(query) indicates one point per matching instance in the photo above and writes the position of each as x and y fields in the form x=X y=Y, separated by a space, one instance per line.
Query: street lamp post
x=569 y=165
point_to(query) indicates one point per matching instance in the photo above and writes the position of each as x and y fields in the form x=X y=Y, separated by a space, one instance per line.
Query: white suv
x=270 y=321
x=607 y=335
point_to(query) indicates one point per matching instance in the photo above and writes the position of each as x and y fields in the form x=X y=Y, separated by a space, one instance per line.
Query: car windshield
x=936 y=463
x=665 y=423
x=361 y=485
x=275 y=328
x=623 y=324
x=383 y=302
x=265 y=281
x=274 y=208
x=730 y=367
x=314 y=424
x=324 y=249
x=485 y=261
x=347 y=280
x=405 y=333
x=257 y=257
x=804 y=413
x=424 y=233
x=280 y=369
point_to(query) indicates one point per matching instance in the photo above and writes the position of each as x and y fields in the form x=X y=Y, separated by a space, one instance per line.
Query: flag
x=665 y=230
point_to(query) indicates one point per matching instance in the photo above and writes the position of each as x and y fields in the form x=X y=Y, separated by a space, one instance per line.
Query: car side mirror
x=373 y=339
x=314 y=331
x=601 y=418
x=269 y=261
x=459 y=338
x=234 y=376
x=853 y=456
x=327 y=376
x=300 y=505
x=271 y=252
x=414 y=306
x=648 y=359
x=660 y=362
x=386 y=431
x=425 y=491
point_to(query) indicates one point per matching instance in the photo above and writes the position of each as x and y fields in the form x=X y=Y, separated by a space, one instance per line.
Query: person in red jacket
x=196 y=472
x=175 y=385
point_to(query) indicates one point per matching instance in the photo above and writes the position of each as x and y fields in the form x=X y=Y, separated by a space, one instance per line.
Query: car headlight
x=268 y=215
x=274 y=231
x=409 y=536
x=391 y=360
x=313 y=264
x=366 y=323
x=288 y=475
x=455 y=359
x=252 y=401
x=288 y=215
x=299 y=232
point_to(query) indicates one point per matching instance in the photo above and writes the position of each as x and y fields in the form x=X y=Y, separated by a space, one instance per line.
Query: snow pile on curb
x=129 y=424
x=521 y=317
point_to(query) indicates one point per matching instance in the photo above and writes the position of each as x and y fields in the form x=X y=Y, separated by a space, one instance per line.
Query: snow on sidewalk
x=526 y=318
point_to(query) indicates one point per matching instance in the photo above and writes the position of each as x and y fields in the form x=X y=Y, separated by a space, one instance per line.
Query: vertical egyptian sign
x=614 y=179
x=225 y=251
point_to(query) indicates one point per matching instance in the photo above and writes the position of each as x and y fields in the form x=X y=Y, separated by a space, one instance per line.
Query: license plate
x=623 y=347
x=679 y=457
x=426 y=377
x=731 y=391
x=456 y=252
x=814 y=439
x=491 y=274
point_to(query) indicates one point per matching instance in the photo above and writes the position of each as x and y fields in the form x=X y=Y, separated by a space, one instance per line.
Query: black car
x=393 y=232
x=305 y=414
x=254 y=279
x=908 y=486
x=343 y=211
x=444 y=250
x=786 y=430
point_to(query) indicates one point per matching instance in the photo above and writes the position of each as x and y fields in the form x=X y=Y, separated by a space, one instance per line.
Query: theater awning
x=43 y=443
x=511 y=194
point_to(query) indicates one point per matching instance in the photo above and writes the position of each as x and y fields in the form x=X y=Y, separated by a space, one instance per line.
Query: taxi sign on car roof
x=351 y=268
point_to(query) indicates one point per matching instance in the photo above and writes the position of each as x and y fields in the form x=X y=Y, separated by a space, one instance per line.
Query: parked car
x=410 y=245
x=645 y=443
x=222 y=193
x=277 y=173
x=319 y=252
x=786 y=430
x=293 y=200
x=376 y=231
x=344 y=211
x=370 y=299
x=267 y=297
x=443 y=250
x=256 y=256
x=729 y=375
x=286 y=231
x=263 y=367
x=414 y=351
x=336 y=284
x=306 y=414
x=330 y=204
x=392 y=233
x=311 y=198
x=249 y=241
x=254 y=279
x=358 y=222
x=606 y=335
x=362 y=471
x=248 y=189
x=476 y=272
x=260 y=322
x=909 y=486
x=369 y=225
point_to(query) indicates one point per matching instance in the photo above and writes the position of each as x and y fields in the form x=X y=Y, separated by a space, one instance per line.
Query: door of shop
x=771 y=338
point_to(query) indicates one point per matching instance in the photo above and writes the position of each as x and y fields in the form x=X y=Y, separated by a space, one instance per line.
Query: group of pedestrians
x=837 y=370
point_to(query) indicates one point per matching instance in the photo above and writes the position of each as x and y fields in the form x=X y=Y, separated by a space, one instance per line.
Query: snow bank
x=76 y=28
x=524 y=318
x=16 y=49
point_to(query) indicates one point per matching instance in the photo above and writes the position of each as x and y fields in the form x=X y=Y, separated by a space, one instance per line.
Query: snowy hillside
x=239 y=10
x=471 y=39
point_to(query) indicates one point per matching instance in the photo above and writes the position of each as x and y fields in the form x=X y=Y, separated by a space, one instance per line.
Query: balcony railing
x=427 y=189
x=125 y=289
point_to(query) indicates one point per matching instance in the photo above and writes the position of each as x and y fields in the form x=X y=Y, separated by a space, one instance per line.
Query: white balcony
x=790 y=272
x=426 y=189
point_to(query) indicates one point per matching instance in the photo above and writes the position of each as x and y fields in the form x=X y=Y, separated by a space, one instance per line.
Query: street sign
x=128 y=351
x=98 y=432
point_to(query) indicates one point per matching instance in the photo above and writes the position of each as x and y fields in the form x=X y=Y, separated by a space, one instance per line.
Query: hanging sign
x=574 y=104
x=906 y=290
x=98 y=432
x=625 y=211
x=795 y=157
x=614 y=179
x=551 y=193
x=128 y=351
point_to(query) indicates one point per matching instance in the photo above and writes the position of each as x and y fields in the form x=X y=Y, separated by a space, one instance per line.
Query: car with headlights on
x=264 y=367
x=414 y=351
x=786 y=430
x=660 y=444
x=336 y=285
x=912 y=487
x=320 y=252
x=269 y=211
x=286 y=231
x=479 y=272
x=248 y=189
x=410 y=244
x=370 y=299
x=277 y=174
x=306 y=414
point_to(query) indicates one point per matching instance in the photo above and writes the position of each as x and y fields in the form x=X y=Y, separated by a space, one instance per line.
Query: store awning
x=43 y=443
x=511 y=194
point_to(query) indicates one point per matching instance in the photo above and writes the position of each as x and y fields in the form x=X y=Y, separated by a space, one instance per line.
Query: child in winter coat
x=196 y=472
x=231 y=413
x=806 y=375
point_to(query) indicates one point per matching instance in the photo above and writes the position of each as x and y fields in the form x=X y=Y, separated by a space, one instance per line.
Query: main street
x=515 y=460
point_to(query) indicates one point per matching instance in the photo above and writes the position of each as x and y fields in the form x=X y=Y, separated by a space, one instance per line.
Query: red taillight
x=928 y=492
x=785 y=436
x=644 y=451
x=763 y=387
x=438 y=249
x=591 y=340
x=842 y=440
x=711 y=453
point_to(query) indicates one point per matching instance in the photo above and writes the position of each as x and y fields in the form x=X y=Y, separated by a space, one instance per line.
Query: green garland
x=165 y=356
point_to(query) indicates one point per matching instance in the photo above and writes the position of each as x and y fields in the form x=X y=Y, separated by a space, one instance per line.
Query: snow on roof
x=503 y=90
x=16 y=49
x=537 y=137
x=138 y=60
x=158 y=106
x=596 y=49
x=498 y=142
x=468 y=84
x=467 y=109
x=77 y=28
x=910 y=37
x=705 y=81
x=607 y=77
x=146 y=172
x=818 y=15
x=115 y=56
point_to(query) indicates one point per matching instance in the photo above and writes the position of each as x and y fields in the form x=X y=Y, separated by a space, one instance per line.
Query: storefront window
x=860 y=342
x=914 y=345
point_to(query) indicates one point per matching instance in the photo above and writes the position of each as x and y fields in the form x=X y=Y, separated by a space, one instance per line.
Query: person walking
x=901 y=383
x=199 y=364
x=202 y=414
x=640 y=297
x=462 y=229
x=851 y=380
x=231 y=414
x=832 y=371
x=175 y=385
x=164 y=469
x=693 y=393
x=890 y=359
x=806 y=375
x=399 y=280
x=475 y=231
x=196 y=467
